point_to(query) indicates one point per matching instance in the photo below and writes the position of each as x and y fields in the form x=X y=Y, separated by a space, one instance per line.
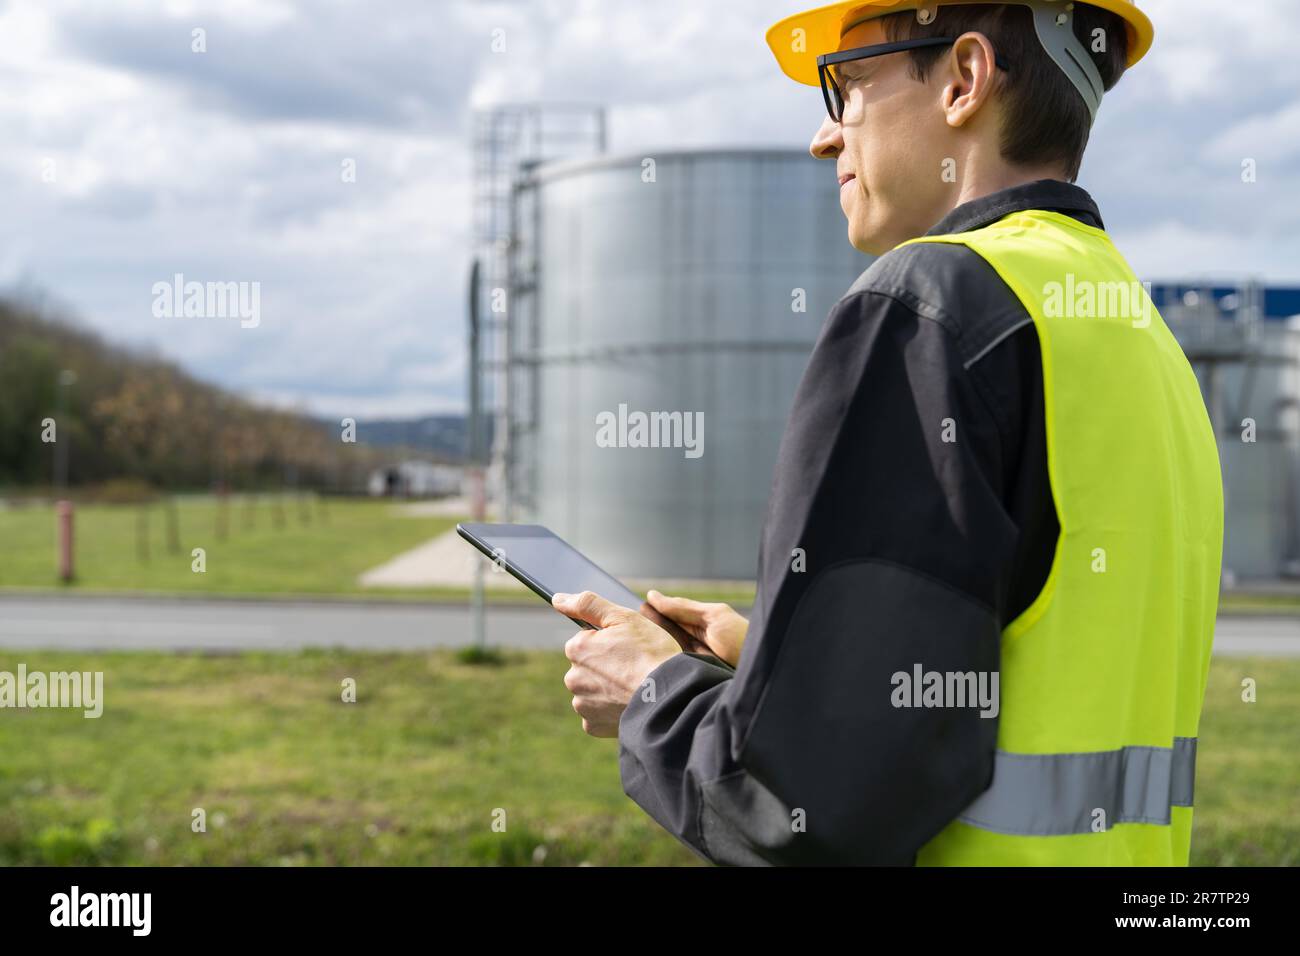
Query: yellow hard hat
x=798 y=40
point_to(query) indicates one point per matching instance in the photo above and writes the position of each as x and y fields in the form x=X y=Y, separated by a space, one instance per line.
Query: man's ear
x=969 y=76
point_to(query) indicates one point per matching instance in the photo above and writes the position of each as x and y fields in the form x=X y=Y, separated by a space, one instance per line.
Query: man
x=989 y=571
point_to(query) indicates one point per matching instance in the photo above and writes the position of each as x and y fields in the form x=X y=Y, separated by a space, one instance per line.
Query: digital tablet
x=547 y=565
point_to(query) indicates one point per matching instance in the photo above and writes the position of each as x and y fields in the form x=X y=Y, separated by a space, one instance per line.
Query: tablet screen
x=550 y=561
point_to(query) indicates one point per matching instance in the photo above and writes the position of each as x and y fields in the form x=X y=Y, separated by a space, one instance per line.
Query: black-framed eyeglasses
x=831 y=91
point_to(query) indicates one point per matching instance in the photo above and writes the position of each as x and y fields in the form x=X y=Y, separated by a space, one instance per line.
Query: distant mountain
x=443 y=436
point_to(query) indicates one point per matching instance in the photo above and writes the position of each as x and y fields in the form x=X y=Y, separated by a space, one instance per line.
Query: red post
x=64 y=510
x=478 y=494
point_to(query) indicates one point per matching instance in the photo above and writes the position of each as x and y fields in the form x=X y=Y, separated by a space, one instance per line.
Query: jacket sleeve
x=884 y=552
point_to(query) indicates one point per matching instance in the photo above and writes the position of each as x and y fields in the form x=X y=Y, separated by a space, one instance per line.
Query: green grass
x=1249 y=603
x=320 y=557
x=1247 y=773
x=319 y=548
x=413 y=772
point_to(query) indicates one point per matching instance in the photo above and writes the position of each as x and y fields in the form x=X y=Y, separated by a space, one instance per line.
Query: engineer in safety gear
x=989 y=570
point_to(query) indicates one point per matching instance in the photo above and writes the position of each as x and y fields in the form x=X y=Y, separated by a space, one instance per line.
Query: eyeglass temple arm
x=830 y=59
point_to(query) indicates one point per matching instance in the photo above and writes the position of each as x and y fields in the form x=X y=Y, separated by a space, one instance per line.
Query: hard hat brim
x=798 y=40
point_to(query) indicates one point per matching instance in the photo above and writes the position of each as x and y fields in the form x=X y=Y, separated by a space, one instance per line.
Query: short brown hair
x=1045 y=119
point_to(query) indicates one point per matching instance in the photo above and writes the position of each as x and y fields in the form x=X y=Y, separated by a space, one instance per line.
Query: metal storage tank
x=665 y=282
x=1249 y=368
x=1262 y=477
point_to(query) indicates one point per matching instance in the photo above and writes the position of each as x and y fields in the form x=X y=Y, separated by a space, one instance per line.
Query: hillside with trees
x=132 y=416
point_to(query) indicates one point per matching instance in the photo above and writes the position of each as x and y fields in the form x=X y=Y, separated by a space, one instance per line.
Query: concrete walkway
x=448 y=561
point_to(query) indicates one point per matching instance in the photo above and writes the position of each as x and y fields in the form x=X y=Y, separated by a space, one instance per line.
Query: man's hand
x=609 y=664
x=717 y=626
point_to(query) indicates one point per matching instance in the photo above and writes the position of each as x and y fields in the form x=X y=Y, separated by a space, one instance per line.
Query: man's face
x=889 y=149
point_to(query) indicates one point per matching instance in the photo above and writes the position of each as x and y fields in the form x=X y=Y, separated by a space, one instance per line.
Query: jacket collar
x=1050 y=194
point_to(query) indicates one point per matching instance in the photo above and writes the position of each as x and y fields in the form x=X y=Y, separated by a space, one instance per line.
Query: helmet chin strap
x=1054 y=23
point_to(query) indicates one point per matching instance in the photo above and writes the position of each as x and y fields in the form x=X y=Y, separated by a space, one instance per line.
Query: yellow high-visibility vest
x=1103 y=676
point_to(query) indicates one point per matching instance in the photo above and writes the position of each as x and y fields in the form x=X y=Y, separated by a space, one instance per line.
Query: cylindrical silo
x=687 y=284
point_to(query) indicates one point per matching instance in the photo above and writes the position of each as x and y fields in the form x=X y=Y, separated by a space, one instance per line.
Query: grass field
x=318 y=549
x=319 y=557
x=413 y=772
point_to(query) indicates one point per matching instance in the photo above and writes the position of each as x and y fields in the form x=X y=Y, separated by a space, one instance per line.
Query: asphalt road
x=227 y=625
x=115 y=623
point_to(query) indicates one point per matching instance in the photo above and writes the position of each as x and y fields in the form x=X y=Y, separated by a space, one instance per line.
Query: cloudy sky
x=128 y=158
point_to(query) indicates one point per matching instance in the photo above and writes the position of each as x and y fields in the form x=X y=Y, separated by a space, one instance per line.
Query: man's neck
x=985 y=182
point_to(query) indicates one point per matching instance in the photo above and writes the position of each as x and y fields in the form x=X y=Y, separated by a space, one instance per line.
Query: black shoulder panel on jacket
x=952 y=285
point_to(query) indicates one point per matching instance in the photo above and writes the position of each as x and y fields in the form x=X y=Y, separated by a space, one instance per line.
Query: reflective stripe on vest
x=1055 y=794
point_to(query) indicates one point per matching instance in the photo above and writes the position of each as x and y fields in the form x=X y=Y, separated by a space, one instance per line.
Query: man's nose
x=828 y=141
